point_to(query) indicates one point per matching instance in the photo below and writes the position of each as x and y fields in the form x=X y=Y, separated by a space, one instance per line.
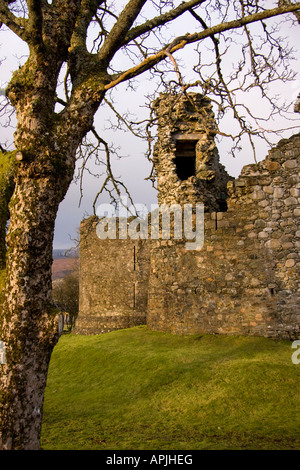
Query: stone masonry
x=246 y=278
x=244 y=281
x=113 y=286
x=185 y=155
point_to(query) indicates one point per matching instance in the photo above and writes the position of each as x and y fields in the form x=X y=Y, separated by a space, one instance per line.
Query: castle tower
x=185 y=156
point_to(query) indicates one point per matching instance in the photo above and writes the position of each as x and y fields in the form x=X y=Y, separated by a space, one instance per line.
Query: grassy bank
x=138 y=389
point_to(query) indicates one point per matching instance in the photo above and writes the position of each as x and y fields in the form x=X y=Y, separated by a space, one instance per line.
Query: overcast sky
x=133 y=167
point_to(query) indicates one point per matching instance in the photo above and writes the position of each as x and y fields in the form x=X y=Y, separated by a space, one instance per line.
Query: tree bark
x=29 y=323
x=6 y=190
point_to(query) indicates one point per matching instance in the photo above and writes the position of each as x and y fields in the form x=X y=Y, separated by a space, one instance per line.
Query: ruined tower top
x=186 y=159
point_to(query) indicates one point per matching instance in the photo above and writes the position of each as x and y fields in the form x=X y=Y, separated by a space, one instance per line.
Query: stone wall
x=186 y=130
x=113 y=285
x=245 y=280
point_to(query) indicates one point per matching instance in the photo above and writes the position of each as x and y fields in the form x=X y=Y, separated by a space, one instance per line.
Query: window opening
x=185 y=158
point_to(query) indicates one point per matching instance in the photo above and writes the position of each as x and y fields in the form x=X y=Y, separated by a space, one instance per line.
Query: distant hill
x=64 y=262
x=65 y=253
x=58 y=254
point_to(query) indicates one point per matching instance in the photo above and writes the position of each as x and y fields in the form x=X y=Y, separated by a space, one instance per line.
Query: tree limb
x=10 y=20
x=77 y=50
x=115 y=39
x=192 y=38
x=161 y=20
x=88 y=9
x=34 y=27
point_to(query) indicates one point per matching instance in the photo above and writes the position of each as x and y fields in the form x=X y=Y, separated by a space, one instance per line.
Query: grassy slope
x=138 y=389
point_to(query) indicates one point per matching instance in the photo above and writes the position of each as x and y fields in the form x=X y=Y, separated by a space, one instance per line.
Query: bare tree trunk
x=47 y=144
x=29 y=322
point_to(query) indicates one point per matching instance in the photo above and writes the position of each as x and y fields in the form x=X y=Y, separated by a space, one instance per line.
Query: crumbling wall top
x=185 y=155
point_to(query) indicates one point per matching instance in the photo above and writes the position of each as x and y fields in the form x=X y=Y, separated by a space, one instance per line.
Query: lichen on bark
x=7 y=171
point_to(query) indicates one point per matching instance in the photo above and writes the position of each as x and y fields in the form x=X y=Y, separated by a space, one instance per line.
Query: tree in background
x=65 y=294
x=48 y=137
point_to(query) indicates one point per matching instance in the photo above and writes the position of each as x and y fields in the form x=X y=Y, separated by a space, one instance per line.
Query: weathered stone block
x=273 y=244
x=257 y=195
x=273 y=166
x=290 y=263
x=278 y=193
x=268 y=189
x=290 y=164
x=294 y=192
x=290 y=201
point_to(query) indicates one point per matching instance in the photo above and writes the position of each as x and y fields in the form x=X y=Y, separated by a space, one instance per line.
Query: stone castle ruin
x=185 y=155
x=245 y=278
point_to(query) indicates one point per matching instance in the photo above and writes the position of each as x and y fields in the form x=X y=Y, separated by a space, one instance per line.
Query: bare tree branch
x=110 y=178
x=10 y=20
x=161 y=20
x=192 y=38
x=88 y=10
x=34 y=27
x=118 y=32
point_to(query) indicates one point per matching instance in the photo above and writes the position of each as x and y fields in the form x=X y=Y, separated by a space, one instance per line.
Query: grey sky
x=133 y=168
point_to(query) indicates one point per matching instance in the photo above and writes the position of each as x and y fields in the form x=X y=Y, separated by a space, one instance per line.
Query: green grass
x=139 y=389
